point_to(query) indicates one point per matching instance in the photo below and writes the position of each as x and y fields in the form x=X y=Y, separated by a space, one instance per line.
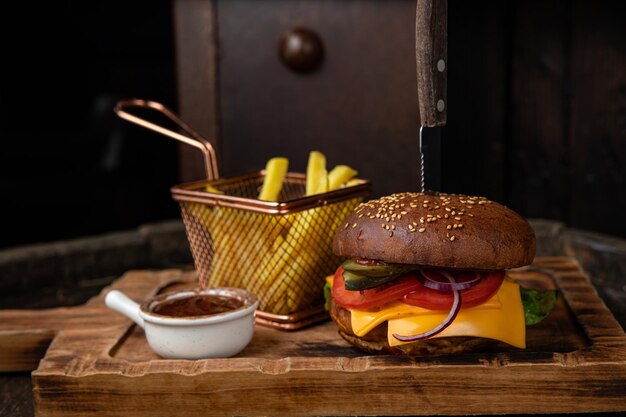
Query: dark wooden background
x=536 y=104
x=536 y=108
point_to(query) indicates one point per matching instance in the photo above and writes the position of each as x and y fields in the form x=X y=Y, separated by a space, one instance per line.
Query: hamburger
x=425 y=274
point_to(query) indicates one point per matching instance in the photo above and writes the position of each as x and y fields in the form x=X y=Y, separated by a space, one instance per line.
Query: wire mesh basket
x=280 y=251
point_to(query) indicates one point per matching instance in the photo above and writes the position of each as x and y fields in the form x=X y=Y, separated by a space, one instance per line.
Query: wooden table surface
x=16 y=389
x=603 y=258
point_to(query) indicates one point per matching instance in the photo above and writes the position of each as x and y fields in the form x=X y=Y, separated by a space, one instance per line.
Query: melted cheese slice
x=500 y=318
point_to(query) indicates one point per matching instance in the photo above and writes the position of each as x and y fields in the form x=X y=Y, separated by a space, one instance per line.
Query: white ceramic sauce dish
x=218 y=335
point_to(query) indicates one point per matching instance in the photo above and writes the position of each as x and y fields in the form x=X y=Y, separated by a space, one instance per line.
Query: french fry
x=210 y=189
x=322 y=183
x=315 y=167
x=235 y=263
x=302 y=245
x=269 y=254
x=275 y=172
x=353 y=182
x=340 y=175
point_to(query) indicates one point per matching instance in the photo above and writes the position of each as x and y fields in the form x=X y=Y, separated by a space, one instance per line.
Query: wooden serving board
x=100 y=364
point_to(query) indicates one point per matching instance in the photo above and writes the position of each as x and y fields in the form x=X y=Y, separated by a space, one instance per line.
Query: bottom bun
x=376 y=340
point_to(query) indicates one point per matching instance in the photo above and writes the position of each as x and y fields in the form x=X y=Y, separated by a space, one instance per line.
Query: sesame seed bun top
x=443 y=230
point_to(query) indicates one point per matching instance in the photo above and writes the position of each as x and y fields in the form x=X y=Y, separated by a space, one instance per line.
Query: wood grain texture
x=431 y=47
x=539 y=134
x=16 y=395
x=26 y=334
x=576 y=362
x=359 y=107
x=195 y=24
x=598 y=117
x=475 y=138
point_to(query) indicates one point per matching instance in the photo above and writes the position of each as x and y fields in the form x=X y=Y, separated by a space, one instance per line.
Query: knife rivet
x=441 y=105
x=441 y=65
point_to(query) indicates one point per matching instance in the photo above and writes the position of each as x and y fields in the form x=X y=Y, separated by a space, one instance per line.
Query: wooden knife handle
x=431 y=52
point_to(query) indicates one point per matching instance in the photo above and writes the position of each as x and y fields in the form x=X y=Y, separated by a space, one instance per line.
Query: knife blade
x=431 y=54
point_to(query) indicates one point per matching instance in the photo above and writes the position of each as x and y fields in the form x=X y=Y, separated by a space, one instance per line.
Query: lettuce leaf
x=537 y=304
x=327 y=292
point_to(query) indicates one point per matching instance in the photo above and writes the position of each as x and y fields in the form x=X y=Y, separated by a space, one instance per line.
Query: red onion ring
x=456 y=306
x=451 y=285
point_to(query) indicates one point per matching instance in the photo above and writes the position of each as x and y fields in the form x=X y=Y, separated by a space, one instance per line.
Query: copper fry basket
x=280 y=251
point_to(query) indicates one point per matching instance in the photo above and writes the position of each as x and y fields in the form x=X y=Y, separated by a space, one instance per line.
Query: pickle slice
x=355 y=282
x=376 y=270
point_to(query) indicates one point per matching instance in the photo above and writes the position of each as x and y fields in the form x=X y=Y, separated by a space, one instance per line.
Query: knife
x=431 y=54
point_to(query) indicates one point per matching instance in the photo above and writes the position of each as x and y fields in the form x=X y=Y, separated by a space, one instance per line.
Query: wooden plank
x=539 y=162
x=598 y=134
x=195 y=24
x=359 y=108
x=26 y=334
x=16 y=395
x=576 y=362
x=475 y=138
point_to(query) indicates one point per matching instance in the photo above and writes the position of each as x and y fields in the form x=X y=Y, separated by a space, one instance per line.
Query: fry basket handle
x=194 y=139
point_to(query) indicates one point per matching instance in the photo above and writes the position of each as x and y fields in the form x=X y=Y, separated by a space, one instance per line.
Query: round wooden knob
x=301 y=50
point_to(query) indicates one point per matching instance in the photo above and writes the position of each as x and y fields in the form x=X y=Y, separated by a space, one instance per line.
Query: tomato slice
x=471 y=297
x=374 y=297
x=410 y=290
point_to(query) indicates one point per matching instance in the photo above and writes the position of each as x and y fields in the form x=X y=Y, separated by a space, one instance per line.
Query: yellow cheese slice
x=500 y=318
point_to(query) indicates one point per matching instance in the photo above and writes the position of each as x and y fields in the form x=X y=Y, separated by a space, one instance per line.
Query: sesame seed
x=346 y=225
x=382 y=225
x=455 y=226
x=452 y=238
x=457 y=218
x=438 y=216
x=390 y=234
x=386 y=219
x=403 y=212
x=470 y=214
x=446 y=216
x=422 y=230
x=460 y=225
x=354 y=226
x=393 y=227
x=360 y=215
x=447 y=208
x=386 y=227
x=448 y=227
